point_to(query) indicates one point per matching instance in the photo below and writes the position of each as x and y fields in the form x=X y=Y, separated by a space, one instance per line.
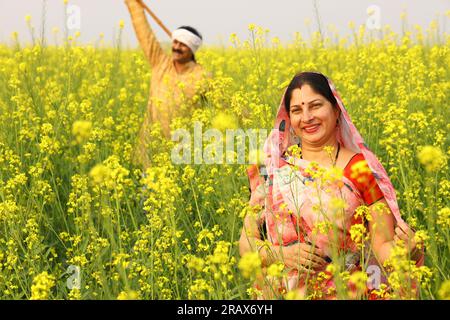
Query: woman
x=318 y=172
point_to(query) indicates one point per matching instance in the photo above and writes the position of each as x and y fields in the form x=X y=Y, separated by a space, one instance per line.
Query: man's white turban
x=188 y=38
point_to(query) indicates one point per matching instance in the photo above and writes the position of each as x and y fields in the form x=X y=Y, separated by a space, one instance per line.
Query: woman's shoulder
x=355 y=157
x=359 y=173
x=349 y=158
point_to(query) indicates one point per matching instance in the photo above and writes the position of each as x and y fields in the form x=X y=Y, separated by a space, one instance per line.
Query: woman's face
x=313 y=117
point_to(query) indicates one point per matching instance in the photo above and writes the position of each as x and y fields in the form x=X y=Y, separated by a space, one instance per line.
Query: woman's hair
x=194 y=31
x=318 y=83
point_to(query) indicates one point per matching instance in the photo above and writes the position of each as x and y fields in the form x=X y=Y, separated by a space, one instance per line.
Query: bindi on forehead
x=312 y=101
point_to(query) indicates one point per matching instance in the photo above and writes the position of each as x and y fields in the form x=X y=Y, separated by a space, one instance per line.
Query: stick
x=150 y=12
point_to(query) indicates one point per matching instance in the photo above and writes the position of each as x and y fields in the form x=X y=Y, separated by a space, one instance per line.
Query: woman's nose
x=307 y=116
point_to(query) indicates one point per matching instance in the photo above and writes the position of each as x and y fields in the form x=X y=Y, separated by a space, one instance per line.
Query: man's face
x=181 y=52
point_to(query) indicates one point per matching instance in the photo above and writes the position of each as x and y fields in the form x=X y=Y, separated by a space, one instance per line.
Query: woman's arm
x=250 y=240
x=381 y=229
x=147 y=40
x=300 y=256
x=384 y=233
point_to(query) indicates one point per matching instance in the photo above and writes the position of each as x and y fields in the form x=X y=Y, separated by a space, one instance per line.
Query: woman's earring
x=295 y=138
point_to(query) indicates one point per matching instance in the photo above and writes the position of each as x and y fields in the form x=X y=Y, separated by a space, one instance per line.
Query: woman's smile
x=311 y=129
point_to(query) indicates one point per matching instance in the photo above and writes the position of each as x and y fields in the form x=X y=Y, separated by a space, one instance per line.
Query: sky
x=215 y=19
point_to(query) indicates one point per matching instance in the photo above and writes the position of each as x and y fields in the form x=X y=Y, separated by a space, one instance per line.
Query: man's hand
x=138 y=1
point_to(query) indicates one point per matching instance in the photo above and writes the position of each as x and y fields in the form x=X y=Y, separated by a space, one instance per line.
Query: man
x=175 y=78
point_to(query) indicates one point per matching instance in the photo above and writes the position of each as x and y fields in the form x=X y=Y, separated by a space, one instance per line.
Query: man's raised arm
x=144 y=33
